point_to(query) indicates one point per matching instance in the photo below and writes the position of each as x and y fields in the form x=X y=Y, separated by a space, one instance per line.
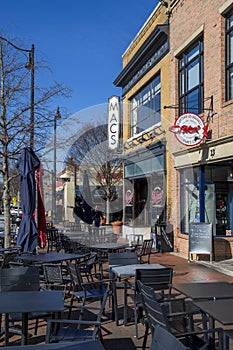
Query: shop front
x=206 y=194
x=145 y=189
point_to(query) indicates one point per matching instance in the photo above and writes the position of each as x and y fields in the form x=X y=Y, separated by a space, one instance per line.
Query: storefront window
x=145 y=107
x=207 y=196
x=190 y=203
x=145 y=190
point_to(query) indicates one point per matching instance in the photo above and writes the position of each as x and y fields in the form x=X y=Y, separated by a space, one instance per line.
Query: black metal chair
x=55 y=280
x=158 y=279
x=53 y=240
x=164 y=340
x=21 y=278
x=8 y=254
x=89 y=288
x=90 y=263
x=144 y=251
x=80 y=329
x=122 y=258
x=180 y=323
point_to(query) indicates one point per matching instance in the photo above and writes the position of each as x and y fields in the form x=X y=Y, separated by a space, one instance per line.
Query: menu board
x=200 y=239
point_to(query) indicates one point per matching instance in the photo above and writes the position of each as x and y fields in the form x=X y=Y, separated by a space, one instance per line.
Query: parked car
x=14 y=210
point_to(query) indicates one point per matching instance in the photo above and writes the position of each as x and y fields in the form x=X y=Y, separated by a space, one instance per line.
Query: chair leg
x=125 y=304
x=145 y=337
x=136 y=320
x=36 y=326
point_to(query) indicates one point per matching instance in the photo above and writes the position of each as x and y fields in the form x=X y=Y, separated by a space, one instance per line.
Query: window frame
x=228 y=53
x=143 y=113
x=185 y=62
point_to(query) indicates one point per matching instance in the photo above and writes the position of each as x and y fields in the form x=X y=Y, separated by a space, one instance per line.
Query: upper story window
x=229 y=56
x=191 y=77
x=145 y=107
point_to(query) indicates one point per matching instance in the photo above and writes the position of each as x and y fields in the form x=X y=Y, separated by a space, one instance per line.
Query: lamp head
x=28 y=64
x=58 y=114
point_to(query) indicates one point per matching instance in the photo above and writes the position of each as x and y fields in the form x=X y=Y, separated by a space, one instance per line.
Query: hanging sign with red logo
x=189 y=129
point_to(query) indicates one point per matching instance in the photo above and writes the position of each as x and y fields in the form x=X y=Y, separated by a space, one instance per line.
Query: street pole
x=31 y=66
x=54 y=175
x=32 y=97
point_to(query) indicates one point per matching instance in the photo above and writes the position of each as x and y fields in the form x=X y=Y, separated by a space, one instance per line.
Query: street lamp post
x=54 y=175
x=31 y=66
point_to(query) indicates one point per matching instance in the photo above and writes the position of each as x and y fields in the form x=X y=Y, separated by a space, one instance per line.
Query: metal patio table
x=29 y=301
x=130 y=270
x=85 y=345
x=205 y=290
x=50 y=257
x=218 y=309
x=126 y=271
x=109 y=246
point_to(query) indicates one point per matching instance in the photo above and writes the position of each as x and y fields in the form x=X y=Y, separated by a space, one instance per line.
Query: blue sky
x=81 y=41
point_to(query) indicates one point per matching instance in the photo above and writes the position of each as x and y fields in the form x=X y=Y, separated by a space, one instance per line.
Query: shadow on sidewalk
x=119 y=344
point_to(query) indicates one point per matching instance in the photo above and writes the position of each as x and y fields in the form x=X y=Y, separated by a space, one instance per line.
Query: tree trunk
x=7 y=217
x=107 y=211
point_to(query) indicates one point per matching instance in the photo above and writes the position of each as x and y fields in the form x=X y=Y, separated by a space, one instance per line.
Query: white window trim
x=226 y=7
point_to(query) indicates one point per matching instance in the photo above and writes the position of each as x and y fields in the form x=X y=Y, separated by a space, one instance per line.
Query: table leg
x=6 y=329
x=114 y=302
x=24 y=338
x=125 y=304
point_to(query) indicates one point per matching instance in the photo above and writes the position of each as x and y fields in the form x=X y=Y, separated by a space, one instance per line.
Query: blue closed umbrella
x=27 y=164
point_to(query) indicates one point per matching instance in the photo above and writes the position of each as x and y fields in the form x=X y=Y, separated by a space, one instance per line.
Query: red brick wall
x=186 y=18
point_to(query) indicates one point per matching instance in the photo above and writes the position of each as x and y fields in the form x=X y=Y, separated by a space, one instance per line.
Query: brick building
x=201 y=83
x=145 y=66
x=180 y=66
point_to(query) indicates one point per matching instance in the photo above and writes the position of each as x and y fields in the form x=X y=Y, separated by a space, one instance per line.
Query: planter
x=102 y=221
x=116 y=226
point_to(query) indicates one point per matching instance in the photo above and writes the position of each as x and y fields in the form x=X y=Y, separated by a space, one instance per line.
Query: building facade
x=145 y=66
x=177 y=91
x=201 y=82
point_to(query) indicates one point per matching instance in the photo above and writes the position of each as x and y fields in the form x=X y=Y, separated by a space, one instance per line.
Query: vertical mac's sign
x=113 y=122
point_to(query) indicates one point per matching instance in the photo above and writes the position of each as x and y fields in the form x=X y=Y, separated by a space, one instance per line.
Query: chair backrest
x=52 y=273
x=145 y=250
x=145 y=290
x=155 y=313
x=158 y=279
x=135 y=239
x=165 y=340
x=19 y=278
x=122 y=258
x=75 y=275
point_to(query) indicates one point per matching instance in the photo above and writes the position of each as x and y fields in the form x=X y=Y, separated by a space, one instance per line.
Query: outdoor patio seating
x=53 y=240
x=180 y=324
x=91 y=264
x=21 y=278
x=85 y=287
x=163 y=339
x=157 y=279
x=81 y=328
x=7 y=255
x=120 y=259
x=54 y=278
x=144 y=252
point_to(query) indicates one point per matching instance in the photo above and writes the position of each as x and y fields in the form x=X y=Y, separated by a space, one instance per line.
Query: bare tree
x=91 y=152
x=15 y=127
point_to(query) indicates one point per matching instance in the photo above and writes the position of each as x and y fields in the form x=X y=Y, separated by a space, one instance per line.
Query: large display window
x=145 y=189
x=207 y=196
